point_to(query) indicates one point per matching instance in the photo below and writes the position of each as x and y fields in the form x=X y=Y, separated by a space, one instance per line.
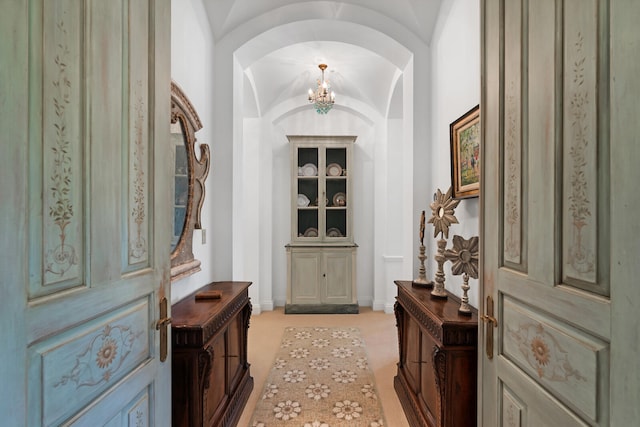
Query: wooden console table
x=436 y=380
x=210 y=373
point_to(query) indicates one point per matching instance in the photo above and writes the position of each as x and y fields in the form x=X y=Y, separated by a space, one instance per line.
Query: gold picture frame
x=465 y=154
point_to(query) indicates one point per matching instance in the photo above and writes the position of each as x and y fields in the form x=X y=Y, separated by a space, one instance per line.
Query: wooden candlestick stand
x=465 y=308
x=438 y=289
x=422 y=280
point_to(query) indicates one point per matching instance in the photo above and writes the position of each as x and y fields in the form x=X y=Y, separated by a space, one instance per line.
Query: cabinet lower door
x=429 y=391
x=305 y=277
x=215 y=394
x=337 y=283
x=236 y=358
x=321 y=279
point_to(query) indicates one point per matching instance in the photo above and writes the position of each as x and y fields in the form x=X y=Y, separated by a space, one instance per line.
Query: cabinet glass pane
x=307 y=190
x=307 y=196
x=336 y=161
x=337 y=192
x=308 y=222
x=336 y=223
x=307 y=162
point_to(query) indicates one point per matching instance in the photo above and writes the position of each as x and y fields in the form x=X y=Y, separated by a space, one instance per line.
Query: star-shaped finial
x=443 y=207
x=464 y=256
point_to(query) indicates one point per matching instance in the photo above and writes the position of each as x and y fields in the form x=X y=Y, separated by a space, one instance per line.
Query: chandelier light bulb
x=322 y=99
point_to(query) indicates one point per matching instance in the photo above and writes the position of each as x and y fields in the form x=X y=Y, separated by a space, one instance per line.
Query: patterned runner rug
x=320 y=378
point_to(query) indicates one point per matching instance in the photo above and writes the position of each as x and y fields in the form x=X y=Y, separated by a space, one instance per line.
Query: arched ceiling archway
x=279 y=44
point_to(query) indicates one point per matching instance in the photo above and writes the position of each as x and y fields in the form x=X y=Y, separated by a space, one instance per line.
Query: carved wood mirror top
x=190 y=173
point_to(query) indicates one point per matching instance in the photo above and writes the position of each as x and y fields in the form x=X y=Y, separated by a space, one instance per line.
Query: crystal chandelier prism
x=323 y=98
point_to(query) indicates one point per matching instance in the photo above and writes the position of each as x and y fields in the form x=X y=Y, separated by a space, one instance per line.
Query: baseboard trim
x=321 y=309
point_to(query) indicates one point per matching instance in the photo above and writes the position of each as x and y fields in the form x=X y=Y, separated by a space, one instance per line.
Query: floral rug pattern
x=320 y=378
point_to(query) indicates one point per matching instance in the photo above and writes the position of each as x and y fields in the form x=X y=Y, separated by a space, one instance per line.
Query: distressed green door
x=559 y=213
x=85 y=212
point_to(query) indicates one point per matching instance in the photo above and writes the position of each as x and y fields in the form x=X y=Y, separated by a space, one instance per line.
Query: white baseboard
x=365 y=302
x=378 y=306
x=388 y=308
x=260 y=307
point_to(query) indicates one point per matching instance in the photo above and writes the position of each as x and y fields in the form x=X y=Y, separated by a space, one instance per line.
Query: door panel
x=56 y=147
x=562 y=359
x=96 y=234
x=413 y=355
x=585 y=146
x=514 y=100
x=429 y=391
x=513 y=412
x=338 y=271
x=306 y=275
x=546 y=145
x=87 y=360
x=215 y=385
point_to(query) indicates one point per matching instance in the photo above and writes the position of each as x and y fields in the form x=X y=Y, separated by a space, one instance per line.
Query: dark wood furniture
x=210 y=373
x=436 y=380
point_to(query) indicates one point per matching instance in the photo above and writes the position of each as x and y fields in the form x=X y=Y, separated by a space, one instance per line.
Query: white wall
x=455 y=90
x=191 y=68
x=401 y=161
x=265 y=226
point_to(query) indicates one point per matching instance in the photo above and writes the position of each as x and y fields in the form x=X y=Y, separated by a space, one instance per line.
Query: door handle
x=161 y=325
x=490 y=322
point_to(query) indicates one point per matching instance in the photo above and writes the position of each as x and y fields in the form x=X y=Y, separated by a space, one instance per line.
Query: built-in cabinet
x=321 y=267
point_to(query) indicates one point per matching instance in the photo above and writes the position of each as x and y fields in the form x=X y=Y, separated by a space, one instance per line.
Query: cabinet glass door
x=336 y=191
x=307 y=201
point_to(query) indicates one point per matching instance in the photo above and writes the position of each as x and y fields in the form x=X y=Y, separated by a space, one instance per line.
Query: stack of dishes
x=334 y=232
x=311 y=232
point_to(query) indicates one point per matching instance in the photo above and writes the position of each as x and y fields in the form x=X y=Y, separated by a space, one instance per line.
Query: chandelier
x=322 y=99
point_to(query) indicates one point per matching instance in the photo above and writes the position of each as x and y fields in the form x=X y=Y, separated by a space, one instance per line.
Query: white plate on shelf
x=309 y=169
x=311 y=232
x=334 y=232
x=303 y=201
x=334 y=169
x=340 y=199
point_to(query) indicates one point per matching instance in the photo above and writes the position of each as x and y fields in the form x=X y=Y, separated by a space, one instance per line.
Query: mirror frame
x=183 y=263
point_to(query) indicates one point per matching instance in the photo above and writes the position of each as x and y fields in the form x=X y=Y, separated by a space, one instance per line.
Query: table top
x=443 y=310
x=194 y=322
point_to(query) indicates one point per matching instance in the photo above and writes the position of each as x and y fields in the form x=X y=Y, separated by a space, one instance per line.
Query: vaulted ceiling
x=357 y=71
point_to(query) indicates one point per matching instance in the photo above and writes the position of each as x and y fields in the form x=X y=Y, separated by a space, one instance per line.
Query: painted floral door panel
x=544 y=127
x=98 y=257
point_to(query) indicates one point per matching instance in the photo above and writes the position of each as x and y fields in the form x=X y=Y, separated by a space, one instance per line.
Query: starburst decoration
x=443 y=207
x=464 y=256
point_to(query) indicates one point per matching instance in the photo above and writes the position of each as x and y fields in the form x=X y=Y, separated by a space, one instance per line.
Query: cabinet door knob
x=324 y=274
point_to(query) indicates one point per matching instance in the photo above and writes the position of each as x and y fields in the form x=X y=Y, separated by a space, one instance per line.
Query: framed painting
x=465 y=154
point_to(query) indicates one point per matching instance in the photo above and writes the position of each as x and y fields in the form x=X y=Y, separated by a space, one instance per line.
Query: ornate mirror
x=189 y=174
